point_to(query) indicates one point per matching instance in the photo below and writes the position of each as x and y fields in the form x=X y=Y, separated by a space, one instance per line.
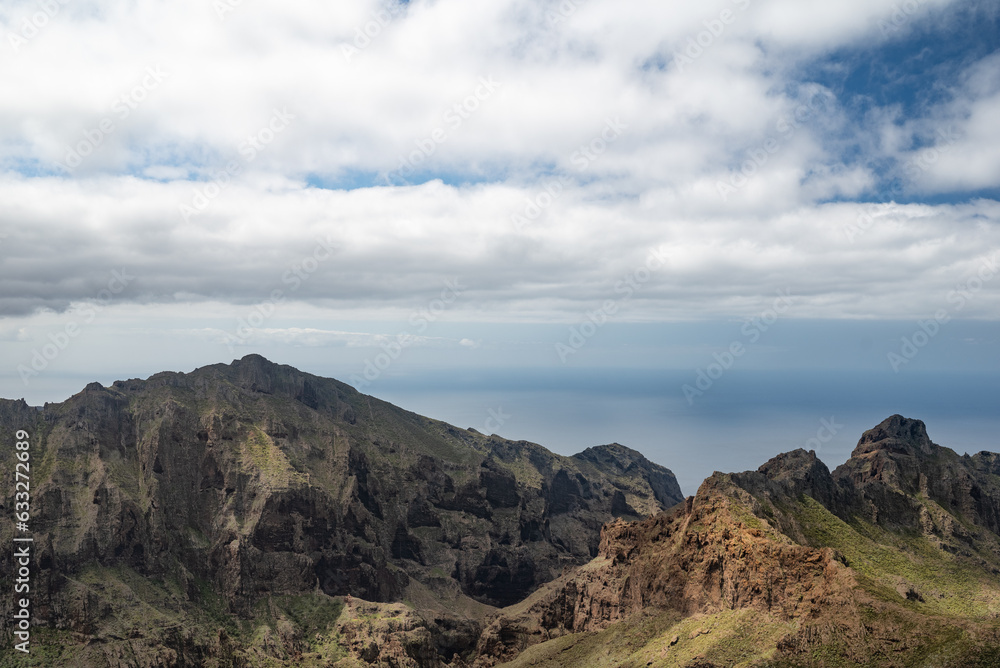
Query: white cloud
x=559 y=81
x=961 y=138
x=14 y=334
x=207 y=85
x=396 y=249
x=310 y=337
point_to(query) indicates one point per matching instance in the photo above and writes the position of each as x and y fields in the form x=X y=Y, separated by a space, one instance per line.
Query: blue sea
x=744 y=419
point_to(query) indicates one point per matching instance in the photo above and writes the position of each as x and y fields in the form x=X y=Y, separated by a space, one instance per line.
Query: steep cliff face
x=891 y=559
x=235 y=484
x=897 y=471
x=630 y=465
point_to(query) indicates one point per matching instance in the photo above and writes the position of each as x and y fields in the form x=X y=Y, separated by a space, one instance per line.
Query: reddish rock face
x=747 y=541
x=896 y=462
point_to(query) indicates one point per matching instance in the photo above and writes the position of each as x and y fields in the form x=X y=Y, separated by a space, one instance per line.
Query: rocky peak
x=258 y=376
x=790 y=475
x=795 y=465
x=623 y=461
x=987 y=461
x=256 y=373
x=895 y=454
x=896 y=434
x=895 y=468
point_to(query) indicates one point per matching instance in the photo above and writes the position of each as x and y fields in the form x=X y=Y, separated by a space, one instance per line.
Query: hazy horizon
x=751 y=416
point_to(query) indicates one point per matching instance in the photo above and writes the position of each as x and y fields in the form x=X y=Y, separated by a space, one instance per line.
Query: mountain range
x=254 y=515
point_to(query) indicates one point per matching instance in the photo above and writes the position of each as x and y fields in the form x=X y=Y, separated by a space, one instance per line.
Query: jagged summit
x=896 y=434
x=792 y=474
x=628 y=462
x=795 y=464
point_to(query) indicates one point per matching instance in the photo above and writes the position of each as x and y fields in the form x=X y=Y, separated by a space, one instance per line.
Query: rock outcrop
x=889 y=558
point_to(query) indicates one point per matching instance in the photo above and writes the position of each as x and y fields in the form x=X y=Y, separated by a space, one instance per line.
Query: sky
x=698 y=229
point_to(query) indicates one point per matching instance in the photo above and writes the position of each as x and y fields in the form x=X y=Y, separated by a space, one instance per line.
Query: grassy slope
x=142 y=616
x=738 y=638
x=949 y=584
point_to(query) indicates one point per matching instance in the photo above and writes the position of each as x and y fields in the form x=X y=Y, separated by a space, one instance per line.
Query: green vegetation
x=137 y=618
x=733 y=638
x=947 y=583
x=269 y=461
x=49 y=647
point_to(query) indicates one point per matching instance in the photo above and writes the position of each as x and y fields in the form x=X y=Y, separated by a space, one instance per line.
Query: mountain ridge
x=235 y=484
x=852 y=567
x=251 y=514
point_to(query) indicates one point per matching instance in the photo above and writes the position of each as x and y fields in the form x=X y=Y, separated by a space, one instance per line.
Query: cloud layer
x=360 y=154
